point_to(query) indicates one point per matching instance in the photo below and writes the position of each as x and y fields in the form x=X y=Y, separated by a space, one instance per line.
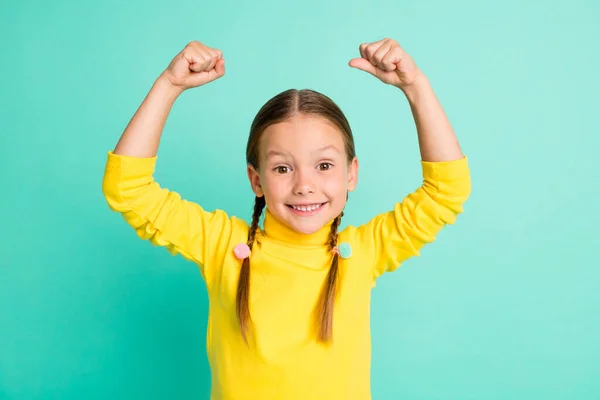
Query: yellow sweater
x=282 y=359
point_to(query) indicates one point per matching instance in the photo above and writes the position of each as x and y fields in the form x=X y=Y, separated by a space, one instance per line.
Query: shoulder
x=239 y=225
x=364 y=231
x=367 y=238
x=232 y=223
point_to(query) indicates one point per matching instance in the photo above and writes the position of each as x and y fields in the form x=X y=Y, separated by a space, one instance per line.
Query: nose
x=303 y=183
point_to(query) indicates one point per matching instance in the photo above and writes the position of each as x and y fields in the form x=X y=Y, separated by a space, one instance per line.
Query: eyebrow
x=329 y=147
x=273 y=153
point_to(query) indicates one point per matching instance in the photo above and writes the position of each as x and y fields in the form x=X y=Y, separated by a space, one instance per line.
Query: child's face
x=304 y=172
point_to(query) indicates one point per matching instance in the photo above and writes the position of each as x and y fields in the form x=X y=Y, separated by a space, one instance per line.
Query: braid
x=325 y=307
x=243 y=289
x=333 y=232
x=259 y=205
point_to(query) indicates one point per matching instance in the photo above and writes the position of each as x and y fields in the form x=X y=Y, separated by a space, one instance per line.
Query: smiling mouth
x=306 y=208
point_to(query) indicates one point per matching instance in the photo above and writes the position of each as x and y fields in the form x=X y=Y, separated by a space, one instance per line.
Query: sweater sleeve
x=400 y=233
x=161 y=216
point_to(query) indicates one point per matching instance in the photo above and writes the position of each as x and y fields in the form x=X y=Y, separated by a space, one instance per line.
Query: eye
x=282 y=169
x=325 y=166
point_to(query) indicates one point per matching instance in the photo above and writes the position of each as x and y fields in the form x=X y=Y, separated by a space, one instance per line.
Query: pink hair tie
x=241 y=251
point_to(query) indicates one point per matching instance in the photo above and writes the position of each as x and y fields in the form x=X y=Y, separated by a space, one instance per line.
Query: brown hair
x=282 y=107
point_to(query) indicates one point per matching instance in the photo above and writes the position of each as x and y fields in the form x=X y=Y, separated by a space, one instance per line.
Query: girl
x=289 y=302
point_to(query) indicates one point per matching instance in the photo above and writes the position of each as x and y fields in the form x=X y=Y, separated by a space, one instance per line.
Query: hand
x=388 y=62
x=194 y=66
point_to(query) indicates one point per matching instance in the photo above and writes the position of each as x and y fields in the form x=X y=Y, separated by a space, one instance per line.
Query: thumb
x=362 y=64
x=220 y=67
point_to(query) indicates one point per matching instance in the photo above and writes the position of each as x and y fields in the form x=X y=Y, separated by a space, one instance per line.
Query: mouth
x=306 y=209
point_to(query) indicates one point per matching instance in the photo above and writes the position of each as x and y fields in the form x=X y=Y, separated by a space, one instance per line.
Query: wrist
x=418 y=86
x=164 y=86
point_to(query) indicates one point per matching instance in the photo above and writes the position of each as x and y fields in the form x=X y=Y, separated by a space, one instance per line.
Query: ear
x=353 y=174
x=254 y=178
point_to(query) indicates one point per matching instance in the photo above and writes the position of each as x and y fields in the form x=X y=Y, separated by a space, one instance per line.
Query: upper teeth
x=307 y=208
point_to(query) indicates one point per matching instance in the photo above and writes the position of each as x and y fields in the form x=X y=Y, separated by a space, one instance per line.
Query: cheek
x=337 y=184
x=274 y=187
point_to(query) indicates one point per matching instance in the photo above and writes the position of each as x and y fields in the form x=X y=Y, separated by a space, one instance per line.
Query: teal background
x=505 y=304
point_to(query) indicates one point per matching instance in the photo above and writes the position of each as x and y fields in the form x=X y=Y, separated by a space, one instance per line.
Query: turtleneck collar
x=278 y=231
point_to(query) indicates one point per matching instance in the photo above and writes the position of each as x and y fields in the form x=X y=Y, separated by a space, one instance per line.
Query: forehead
x=302 y=135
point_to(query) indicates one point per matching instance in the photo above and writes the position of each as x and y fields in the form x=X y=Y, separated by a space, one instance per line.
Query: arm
x=194 y=66
x=157 y=214
x=437 y=141
x=399 y=234
x=141 y=137
x=388 y=62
